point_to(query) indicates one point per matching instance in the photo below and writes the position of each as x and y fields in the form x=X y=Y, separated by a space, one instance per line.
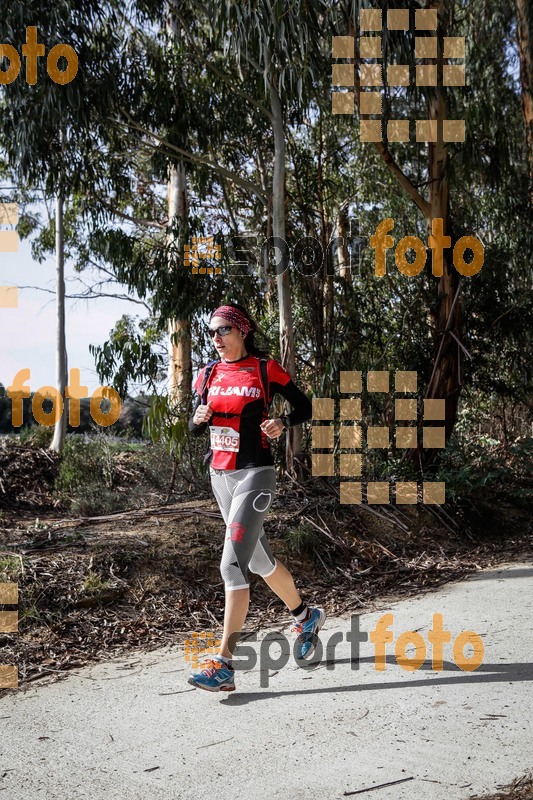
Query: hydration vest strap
x=264 y=380
x=207 y=374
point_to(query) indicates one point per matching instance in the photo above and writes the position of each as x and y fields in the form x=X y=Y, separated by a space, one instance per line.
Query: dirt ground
x=93 y=587
x=519 y=789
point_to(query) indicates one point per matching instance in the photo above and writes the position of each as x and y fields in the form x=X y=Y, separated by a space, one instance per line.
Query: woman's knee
x=232 y=572
x=262 y=564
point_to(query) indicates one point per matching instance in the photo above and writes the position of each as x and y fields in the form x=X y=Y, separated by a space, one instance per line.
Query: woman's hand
x=202 y=414
x=272 y=427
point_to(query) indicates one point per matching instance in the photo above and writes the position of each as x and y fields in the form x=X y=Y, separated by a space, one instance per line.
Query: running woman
x=233 y=402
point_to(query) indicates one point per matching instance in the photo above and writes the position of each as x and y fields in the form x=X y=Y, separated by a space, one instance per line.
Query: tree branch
x=403 y=180
x=228 y=206
x=234 y=88
x=252 y=187
x=385 y=154
x=91 y=296
x=142 y=222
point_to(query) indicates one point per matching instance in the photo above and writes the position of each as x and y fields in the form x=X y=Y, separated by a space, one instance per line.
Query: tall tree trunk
x=286 y=328
x=325 y=275
x=265 y=251
x=342 y=243
x=60 y=428
x=179 y=331
x=524 y=30
x=445 y=381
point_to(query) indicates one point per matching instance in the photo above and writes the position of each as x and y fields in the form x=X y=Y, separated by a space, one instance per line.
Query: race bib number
x=226 y=439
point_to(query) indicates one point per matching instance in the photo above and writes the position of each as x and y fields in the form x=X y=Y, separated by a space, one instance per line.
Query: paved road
x=133 y=729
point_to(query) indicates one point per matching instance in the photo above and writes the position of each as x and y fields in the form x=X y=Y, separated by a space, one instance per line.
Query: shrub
x=37 y=435
x=85 y=477
x=93 y=500
x=482 y=468
x=9 y=569
x=301 y=540
x=84 y=462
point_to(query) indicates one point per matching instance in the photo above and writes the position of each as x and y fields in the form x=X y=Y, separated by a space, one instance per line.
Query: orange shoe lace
x=211 y=665
x=298 y=627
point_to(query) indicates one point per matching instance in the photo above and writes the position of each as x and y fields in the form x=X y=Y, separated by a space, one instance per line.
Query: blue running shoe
x=308 y=632
x=214 y=676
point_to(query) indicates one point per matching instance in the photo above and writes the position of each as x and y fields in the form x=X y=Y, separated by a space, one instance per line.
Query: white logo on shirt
x=242 y=391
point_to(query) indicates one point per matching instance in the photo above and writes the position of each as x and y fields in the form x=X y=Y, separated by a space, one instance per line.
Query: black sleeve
x=196 y=430
x=302 y=406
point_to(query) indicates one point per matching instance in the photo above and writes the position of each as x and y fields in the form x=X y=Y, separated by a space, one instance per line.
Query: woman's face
x=230 y=346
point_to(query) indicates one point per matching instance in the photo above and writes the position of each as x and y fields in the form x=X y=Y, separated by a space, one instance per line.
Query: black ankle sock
x=299 y=610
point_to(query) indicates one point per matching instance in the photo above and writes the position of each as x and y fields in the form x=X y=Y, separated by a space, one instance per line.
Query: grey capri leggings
x=244 y=497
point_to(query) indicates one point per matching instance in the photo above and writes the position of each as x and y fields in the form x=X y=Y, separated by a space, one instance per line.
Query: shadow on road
x=504 y=574
x=485 y=673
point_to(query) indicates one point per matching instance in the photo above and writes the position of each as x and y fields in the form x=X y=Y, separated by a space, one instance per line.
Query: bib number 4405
x=223 y=438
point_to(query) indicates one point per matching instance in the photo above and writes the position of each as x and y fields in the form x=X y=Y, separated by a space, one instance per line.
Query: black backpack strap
x=264 y=379
x=203 y=397
x=207 y=373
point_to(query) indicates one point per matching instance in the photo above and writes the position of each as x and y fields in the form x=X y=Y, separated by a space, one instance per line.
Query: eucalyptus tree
x=211 y=127
x=282 y=45
x=524 y=37
x=432 y=104
x=180 y=364
x=431 y=176
x=180 y=124
x=48 y=129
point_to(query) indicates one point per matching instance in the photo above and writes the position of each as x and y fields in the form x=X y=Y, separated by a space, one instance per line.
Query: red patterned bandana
x=234 y=316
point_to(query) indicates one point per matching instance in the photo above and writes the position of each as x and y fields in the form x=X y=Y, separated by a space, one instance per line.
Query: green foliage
x=301 y=540
x=127 y=355
x=85 y=472
x=481 y=468
x=91 y=483
x=168 y=426
x=10 y=567
x=94 y=584
x=92 y=500
x=35 y=154
x=163 y=424
x=283 y=47
x=155 y=464
x=37 y=435
x=200 y=99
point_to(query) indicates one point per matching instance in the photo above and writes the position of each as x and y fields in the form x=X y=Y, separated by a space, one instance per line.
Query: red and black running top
x=236 y=388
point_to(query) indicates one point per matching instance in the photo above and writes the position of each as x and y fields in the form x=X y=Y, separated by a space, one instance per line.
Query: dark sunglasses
x=222 y=331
